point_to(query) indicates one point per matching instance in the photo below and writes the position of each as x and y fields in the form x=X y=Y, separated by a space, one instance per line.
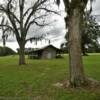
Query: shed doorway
x=49 y=55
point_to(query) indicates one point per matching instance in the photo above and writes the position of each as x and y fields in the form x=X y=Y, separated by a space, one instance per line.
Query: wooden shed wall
x=49 y=53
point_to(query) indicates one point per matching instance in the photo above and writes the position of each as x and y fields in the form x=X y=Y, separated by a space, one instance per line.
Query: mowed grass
x=36 y=79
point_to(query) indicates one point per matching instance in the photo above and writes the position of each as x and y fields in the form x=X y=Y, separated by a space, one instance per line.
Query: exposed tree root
x=90 y=84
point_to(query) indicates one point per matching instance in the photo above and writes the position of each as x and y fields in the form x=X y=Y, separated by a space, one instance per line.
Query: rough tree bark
x=77 y=77
x=75 y=10
x=22 y=53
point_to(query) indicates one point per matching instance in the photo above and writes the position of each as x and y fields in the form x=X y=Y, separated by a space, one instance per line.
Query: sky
x=96 y=10
x=56 y=30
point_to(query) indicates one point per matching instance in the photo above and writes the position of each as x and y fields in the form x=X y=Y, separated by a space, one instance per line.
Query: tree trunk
x=22 y=54
x=77 y=77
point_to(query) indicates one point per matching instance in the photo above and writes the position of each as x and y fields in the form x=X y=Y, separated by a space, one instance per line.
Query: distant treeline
x=5 y=51
x=87 y=50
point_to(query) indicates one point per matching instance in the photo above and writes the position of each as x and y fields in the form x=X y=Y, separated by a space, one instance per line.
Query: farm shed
x=47 y=52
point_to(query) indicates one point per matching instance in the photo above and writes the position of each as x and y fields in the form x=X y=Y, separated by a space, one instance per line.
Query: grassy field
x=35 y=81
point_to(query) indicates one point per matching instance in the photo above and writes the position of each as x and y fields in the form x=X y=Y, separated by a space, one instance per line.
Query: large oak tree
x=20 y=16
x=75 y=11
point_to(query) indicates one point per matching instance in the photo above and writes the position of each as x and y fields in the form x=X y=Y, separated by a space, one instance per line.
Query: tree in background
x=64 y=47
x=90 y=34
x=4 y=35
x=20 y=16
x=8 y=51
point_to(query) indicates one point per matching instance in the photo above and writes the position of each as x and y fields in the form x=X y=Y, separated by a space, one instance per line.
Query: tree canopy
x=90 y=33
x=19 y=16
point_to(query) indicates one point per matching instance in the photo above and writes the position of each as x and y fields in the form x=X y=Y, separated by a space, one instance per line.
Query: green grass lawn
x=37 y=78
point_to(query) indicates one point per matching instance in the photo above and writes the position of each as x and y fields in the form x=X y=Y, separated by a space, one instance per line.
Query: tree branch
x=7 y=26
x=34 y=8
x=34 y=22
x=35 y=38
x=48 y=10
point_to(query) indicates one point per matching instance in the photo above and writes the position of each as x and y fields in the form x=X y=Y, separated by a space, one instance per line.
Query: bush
x=5 y=51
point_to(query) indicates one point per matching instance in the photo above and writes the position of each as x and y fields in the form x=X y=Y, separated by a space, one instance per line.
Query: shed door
x=49 y=55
